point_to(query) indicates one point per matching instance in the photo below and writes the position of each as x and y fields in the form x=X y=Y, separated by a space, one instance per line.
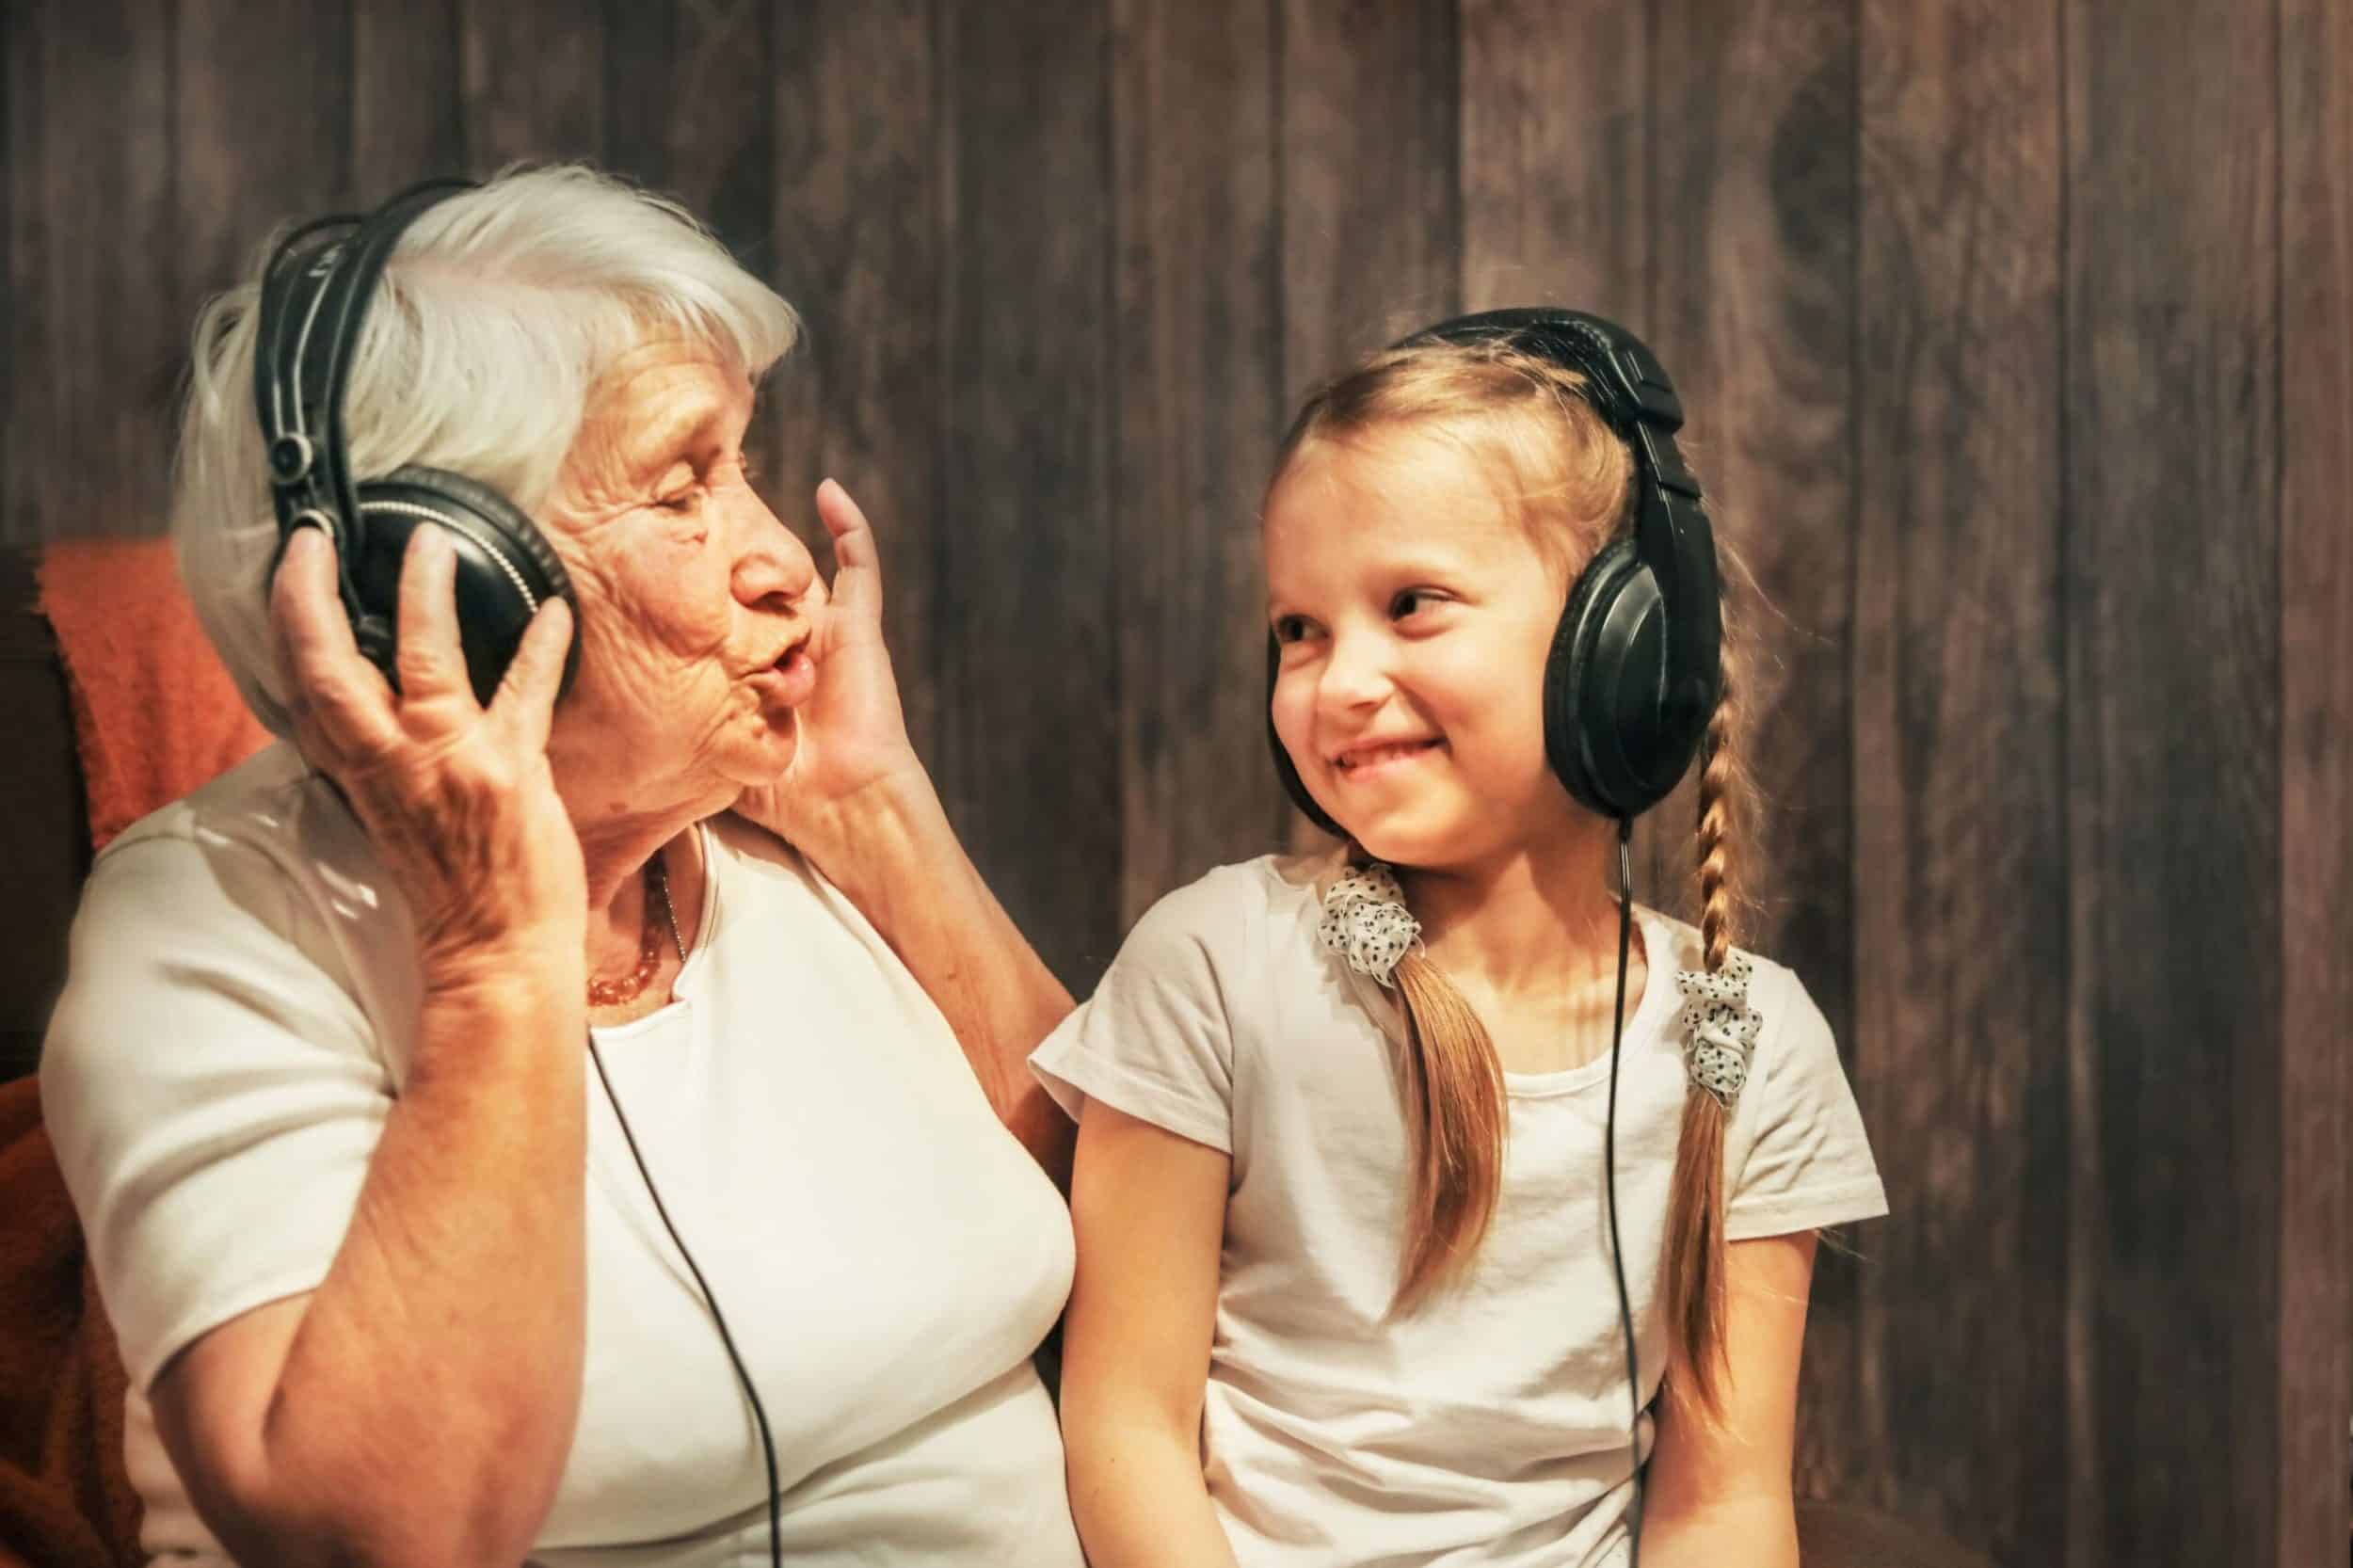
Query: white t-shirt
x=1493 y=1425
x=239 y=1017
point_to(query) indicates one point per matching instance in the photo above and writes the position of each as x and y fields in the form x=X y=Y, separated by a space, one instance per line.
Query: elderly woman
x=562 y=1129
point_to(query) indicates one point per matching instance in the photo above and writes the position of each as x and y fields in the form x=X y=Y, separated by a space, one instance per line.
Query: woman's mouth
x=791 y=679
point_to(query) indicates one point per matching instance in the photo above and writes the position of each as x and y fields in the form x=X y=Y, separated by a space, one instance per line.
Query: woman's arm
x=1149 y=1210
x=1719 y=1492
x=418 y=1406
x=858 y=803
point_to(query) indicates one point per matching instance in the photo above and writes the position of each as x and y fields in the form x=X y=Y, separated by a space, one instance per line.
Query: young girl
x=1345 y=1291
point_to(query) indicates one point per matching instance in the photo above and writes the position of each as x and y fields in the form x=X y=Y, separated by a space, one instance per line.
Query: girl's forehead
x=1391 y=492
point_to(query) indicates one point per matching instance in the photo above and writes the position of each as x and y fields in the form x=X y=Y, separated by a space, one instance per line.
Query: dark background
x=2018 y=343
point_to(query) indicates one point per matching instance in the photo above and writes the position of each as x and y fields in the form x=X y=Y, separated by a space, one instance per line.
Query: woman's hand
x=852 y=732
x=458 y=799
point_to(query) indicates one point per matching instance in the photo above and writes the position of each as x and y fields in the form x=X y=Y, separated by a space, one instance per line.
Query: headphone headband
x=315 y=294
x=1625 y=384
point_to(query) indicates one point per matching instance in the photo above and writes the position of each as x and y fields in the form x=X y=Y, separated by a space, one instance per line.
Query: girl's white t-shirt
x=1493 y=1426
x=236 y=1025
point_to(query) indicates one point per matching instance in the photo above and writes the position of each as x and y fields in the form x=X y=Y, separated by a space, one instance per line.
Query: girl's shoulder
x=1245 y=930
x=1674 y=946
x=1228 y=907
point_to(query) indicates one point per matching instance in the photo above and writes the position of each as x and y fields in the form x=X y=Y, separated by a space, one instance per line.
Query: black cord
x=759 y=1415
x=1609 y=1176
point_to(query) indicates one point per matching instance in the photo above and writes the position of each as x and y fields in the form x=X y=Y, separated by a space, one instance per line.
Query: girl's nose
x=1354 y=676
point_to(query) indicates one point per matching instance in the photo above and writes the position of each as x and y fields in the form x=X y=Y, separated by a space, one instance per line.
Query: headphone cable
x=1609 y=1177
x=760 y=1414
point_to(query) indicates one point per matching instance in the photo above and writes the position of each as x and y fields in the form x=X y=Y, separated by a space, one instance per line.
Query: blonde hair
x=498 y=310
x=1572 y=479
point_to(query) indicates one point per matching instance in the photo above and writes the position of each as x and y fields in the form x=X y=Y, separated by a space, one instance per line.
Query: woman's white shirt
x=236 y=1024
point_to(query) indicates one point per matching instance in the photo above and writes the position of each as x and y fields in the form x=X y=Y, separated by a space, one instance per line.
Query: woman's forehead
x=663 y=400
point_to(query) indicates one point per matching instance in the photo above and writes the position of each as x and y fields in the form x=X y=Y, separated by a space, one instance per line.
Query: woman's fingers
x=431 y=659
x=339 y=697
x=526 y=693
x=857 y=566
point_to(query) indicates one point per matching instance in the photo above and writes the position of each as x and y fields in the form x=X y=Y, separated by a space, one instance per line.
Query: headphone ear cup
x=1607 y=717
x=1284 y=769
x=505 y=567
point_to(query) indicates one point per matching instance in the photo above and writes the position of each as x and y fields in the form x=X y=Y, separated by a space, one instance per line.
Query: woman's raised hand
x=852 y=732
x=458 y=799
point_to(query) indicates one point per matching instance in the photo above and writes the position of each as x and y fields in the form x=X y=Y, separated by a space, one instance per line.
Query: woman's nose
x=769 y=562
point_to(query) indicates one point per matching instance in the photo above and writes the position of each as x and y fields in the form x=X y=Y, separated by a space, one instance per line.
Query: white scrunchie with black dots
x=1719 y=1027
x=1366 y=922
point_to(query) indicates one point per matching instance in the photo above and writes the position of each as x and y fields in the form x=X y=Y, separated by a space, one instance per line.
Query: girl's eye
x=1410 y=601
x=1289 y=628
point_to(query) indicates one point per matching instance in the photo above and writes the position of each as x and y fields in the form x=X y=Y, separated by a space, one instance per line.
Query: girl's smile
x=1368 y=760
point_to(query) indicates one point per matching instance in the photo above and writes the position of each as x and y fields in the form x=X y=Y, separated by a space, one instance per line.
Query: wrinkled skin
x=690 y=589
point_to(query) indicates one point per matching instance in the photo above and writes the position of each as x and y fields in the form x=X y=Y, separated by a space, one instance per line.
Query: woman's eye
x=682 y=500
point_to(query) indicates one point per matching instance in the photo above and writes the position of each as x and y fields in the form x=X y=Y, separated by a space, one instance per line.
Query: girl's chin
x=1430 y=841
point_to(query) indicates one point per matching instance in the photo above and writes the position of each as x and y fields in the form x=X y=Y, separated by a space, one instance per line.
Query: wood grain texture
x=1368 y=203
x=406 y=116
x=94 y=267
x=1753 y=290
x=19 y=46
x=1555 y=158
x=1030 y=693
x=2171 y=376
x=532 y=81
x=2315 y=1343
x=1959 y=863
x=860 y=187
x=689 y=101
x=1196 y=302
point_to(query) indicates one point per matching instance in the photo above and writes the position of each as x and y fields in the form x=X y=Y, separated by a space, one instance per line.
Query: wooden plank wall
x=2018 y=340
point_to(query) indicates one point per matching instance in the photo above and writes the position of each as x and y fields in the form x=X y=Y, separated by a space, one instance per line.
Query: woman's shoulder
x=258 y=839
x=259 y=884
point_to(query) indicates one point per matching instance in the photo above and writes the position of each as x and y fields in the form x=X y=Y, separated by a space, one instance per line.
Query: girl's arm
x=1720 y=1492
x=1150 y=1210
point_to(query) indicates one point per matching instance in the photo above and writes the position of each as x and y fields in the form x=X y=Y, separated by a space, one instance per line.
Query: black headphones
x=1635 y=670
x=315 y=294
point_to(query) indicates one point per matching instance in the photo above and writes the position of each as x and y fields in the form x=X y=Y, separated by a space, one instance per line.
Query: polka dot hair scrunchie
x=1719 y=1028
x=1366 y=922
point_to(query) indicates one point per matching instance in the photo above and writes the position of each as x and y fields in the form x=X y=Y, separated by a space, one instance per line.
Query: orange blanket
x=154 y=713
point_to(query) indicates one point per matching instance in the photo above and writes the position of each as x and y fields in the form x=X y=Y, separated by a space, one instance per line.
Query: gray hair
x=499 y=308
